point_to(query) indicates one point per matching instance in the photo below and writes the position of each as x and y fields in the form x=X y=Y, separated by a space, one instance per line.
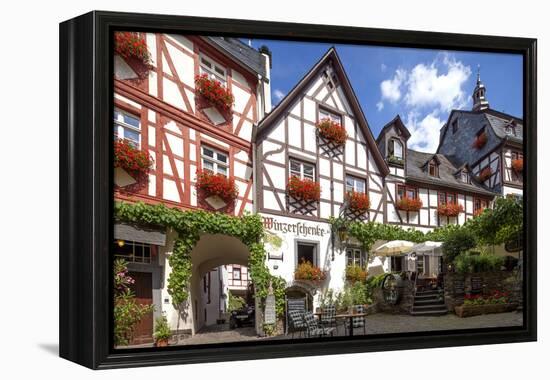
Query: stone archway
x=212 y=251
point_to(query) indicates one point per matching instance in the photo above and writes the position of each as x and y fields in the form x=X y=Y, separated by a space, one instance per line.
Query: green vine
x=189 y=225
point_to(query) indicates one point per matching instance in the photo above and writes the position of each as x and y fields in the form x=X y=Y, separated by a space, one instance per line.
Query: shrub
x=473 y=263
x=450 y=209
x=332 y=131
x=234 y=302
x=409 y=204
x=307 y=271
x=495 y=298
x=304 y=189
x=214 y=92
x=162 y=329
x=217 y=184
x=457 y=241
x=358 y=201
x=355 y=273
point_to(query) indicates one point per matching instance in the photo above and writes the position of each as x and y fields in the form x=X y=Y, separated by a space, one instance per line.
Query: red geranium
x=135 y=161
x=517 y=165
x=307 y=271
x=409 y=204
x=214 y=92
x=485 y=174
x=304 y=189
x=450 y=209
x=358 y=201
x=479 y=211
x=480 y=140
x=130 y=44
x=217 y=184
x=332 y=131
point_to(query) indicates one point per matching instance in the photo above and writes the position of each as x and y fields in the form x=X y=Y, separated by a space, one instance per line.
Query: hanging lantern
x=343 y=234
x=120 y=243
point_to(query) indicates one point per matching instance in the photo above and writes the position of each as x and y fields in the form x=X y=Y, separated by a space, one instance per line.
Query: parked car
x=241 y=317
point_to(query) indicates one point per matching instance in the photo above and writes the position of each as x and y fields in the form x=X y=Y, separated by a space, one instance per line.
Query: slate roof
x=243 y=53
x=499 y=122
x=416 y=171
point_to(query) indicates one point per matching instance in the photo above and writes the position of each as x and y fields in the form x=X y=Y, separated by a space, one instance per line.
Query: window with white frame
x=302 y=170
x=127 y=127
x=212 y=69
x=324 y=114
x=355 y=257
x=215 y=161
x=355 y=184
x=395 y=149
x=464 y=177
x=133 y=251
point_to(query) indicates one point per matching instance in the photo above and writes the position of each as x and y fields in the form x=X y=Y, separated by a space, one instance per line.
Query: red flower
x=214 y=92
x=517 y=165
x=450 y=209
x=131 y=159
x=217 y=184
x=409 y=204
x=358 y=201
x=130 y=44
x=304 y=189
x=307 y=271
x=332 y=131
x=480 y=141
x=485 y=174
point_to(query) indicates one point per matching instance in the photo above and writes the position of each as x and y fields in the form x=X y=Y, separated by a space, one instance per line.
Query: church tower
x=479 y=100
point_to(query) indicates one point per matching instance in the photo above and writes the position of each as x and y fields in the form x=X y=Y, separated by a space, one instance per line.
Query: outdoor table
x=350 y=316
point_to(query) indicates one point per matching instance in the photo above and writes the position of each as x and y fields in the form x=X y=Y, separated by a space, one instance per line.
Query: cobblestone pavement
x=376 y=324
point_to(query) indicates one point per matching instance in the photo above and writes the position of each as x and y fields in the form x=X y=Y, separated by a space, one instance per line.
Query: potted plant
x=133 y=48
x=450 y=209
x=358 y=202
x=214 y=92
x=480 y=140
x=332 y=131
x=306 y=271
x=355 y=273
x=304 y=189
x=409 y=204
x=217 y=185
x=162 y=332
x=134 y=161
x=485 y=174
x=517 y=165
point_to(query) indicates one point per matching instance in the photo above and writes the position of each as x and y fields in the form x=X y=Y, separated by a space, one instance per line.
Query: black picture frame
x=86 y=203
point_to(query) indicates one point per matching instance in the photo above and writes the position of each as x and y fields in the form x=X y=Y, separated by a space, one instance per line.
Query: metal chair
x=313 y=328
x=328 y=316
x=359 y=321
x=296 y=322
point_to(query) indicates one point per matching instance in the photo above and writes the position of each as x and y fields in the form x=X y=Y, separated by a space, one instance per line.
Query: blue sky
x=420 y=85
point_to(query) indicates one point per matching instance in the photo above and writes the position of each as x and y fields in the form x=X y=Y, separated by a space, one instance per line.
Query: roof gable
x=330 y=57
x=398 y=123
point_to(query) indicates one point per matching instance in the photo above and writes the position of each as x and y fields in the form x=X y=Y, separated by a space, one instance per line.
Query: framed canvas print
x=238 y=190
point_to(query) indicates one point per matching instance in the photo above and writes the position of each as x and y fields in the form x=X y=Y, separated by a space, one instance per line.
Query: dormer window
x=395 y=150
x=433 y=169
x=464 y=177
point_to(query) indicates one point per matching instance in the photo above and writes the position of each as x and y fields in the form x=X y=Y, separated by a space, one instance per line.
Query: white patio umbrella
x=394 y=248
x=433 y=247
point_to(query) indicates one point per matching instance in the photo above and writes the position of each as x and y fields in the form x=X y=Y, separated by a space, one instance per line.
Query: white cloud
x=380 y=106
x=383 y=67
x=278 y=94
x=391 y=88
x=424 y=131
x=438 y=84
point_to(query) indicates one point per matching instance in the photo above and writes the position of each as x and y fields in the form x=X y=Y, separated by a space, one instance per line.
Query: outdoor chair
x=313 y=328
x=359 y=322
x=296 y=322
x=328 y=316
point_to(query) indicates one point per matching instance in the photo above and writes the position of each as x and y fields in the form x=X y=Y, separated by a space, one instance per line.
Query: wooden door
x=143 y=289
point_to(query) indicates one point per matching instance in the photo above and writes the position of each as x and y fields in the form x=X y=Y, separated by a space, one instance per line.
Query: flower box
x=409 y=204
x=133 y=49
x=358 y=202
x=214 y=93
x=517 y=165
x=464 y=311
x=134 y=161
x=303 y=189
x=355 y=273
x=480 y=141
x=450 y=209
x=306 y=271
x=395 y=161
x=485 y=174
x=217 y=185
x=332 y=131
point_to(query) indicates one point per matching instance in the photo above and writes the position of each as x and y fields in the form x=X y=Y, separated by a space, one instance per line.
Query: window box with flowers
x=214 y=93
x=485 y=174
x=496 y=302
x=517 y=165
x=306 y=271
x=409 y=204
x=480 y=140
x=133 y=48
x=304 y=189
x=331 y=131
x=211 y=184
x=134 y=161
x=450 y=209
x=355 y=274
x=358 y=202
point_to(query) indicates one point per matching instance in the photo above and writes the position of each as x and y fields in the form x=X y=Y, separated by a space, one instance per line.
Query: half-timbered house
x=289 y=147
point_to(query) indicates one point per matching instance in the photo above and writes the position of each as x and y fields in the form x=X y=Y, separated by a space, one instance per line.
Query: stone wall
x=404 y=303
x=457 y=285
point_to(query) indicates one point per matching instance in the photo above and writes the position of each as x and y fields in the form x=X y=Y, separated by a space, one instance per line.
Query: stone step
x=427 y=297
x=427 y=292
x=427 y=313
x=429 y=301
x=429 y=307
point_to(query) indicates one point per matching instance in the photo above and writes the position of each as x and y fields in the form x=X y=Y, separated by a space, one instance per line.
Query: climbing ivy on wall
x=189 y=225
